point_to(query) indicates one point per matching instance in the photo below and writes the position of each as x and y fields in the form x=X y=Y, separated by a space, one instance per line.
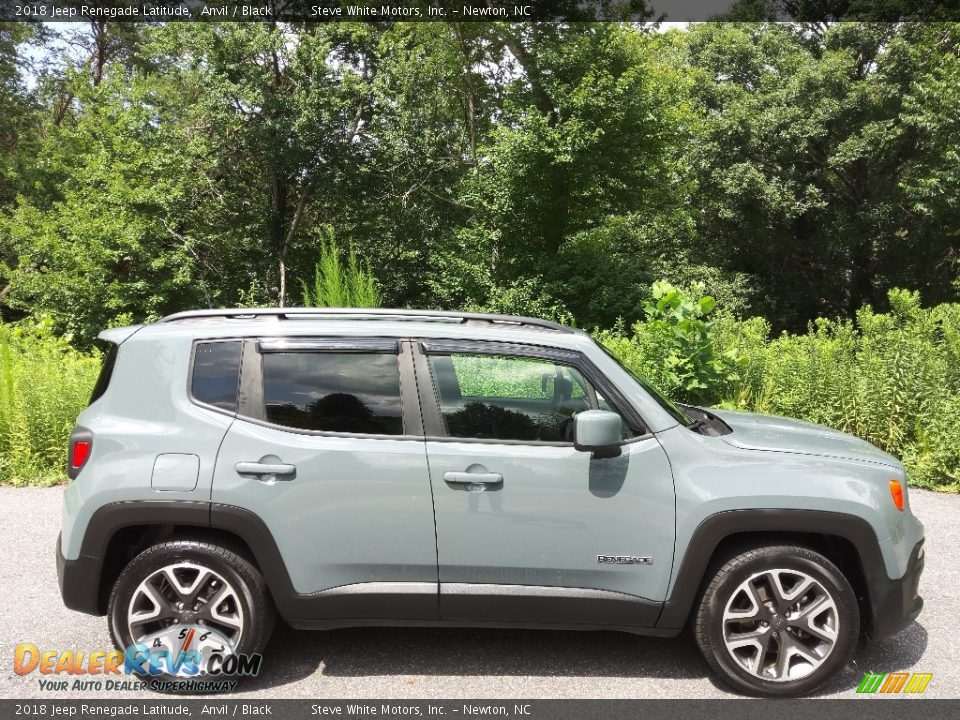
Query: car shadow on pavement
x=360 y=652
x=892 y=654
x=900 y=652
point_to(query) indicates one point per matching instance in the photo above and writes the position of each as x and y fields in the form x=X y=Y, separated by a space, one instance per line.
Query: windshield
x=675 y=412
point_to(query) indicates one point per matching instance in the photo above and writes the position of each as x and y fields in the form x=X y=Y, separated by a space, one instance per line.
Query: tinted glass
x=509 y=398
x=106 y=372
x=336 y=392
x=216 y=369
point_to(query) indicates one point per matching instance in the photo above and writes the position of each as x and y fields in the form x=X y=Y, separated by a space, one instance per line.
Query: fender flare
x=714 y=529
x=80 y=579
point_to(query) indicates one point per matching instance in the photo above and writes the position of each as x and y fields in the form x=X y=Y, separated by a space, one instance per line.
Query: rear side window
x=106 y=372
x=216 y=370
x=355 y=392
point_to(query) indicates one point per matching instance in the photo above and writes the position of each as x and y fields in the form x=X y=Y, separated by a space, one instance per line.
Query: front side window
x=348 y=392
x=502 y=397
x=216 y=369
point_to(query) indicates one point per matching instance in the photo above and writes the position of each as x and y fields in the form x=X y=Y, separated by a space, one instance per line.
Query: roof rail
x=365 y=314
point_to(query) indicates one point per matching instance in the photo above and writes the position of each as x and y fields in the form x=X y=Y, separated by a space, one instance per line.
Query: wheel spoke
x=164 y=603
x=187 y=592
x=780 y=596
x=814 y=607
x=784 y=654
x=798 y=591
x=769 y=641
x=159 y=607
x=748 y=591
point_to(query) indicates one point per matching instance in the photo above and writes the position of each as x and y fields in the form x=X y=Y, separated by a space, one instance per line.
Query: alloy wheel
x=185 y=595
x=780 y=625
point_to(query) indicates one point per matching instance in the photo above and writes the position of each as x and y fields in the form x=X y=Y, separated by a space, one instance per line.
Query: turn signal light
x=896 y=492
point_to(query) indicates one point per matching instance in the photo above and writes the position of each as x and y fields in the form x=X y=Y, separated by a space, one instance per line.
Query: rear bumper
x=896 y=603
x=78 y=582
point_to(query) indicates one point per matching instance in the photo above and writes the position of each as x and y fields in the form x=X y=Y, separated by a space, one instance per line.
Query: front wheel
x=188 y=606
x=778 y=621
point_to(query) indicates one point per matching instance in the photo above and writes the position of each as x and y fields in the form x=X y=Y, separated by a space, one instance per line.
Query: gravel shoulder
x=430 y=663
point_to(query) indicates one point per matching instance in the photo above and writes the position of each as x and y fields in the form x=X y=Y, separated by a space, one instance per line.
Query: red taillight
x=896 y=492
x=79 y=453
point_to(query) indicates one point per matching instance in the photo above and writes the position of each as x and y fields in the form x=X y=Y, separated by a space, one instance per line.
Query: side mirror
x=598 y=432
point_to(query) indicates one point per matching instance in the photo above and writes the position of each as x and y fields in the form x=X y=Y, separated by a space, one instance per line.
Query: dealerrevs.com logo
x=199 y=661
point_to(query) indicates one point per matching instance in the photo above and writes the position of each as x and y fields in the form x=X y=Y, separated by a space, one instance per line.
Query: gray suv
x=390 y=467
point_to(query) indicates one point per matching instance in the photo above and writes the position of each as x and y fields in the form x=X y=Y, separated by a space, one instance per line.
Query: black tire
x=709 y=622
x=254 y=598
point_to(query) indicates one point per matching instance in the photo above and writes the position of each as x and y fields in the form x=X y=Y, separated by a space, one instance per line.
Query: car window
x=216 y=368
x=106 y=372
x=502 y=397
x=335 y=392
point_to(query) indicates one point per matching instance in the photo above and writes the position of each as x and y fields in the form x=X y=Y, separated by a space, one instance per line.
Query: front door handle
x=471 y=478
x=267 y=471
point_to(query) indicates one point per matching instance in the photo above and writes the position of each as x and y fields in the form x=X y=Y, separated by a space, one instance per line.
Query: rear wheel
x=190 y=605
x=778 y=621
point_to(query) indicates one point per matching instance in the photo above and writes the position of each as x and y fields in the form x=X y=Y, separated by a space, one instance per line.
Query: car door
x=530 y=530
x=327 y=451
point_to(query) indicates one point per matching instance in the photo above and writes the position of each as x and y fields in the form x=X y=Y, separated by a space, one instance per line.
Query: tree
x=336 y=284
x=821 y=163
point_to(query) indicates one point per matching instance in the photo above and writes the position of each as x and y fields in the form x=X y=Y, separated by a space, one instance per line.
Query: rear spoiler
x=118 y=334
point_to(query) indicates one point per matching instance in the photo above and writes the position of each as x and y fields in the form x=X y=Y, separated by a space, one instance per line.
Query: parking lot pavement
x=428 y=663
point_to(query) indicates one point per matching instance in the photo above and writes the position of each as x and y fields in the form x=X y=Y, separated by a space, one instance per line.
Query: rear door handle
x=275 y=470
x=469 y=478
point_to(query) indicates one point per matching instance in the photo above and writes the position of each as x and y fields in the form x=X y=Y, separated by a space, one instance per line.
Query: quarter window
x=216 y=368
x=501 y=397
x=353 y=392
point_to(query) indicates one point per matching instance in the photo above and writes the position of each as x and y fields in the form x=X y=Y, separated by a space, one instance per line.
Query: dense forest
x=797 y=170
x=653 y=186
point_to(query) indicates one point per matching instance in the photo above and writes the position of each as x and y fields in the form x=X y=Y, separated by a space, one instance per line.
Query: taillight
x=81 y=444
x=896 y=493
x=79 y=453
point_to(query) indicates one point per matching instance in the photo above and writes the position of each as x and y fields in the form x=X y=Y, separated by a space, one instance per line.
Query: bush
x=44 y=384
x=890 y=378
x=676 y=346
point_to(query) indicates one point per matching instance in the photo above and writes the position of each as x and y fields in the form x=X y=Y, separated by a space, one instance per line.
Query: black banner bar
x=477 y=10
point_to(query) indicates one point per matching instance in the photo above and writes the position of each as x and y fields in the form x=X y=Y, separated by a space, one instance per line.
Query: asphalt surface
x=428 y=663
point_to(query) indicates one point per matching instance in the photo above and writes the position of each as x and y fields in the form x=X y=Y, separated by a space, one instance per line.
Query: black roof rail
x=365 y=314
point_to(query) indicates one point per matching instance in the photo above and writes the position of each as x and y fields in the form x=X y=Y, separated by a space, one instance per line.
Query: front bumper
x=895 y=604
x=78 y=583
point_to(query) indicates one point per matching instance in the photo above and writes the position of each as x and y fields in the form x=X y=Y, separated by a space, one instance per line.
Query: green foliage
x=823 y=161
x=545 y=168
x=676 y=346
x=799 y=171
x=890 y=378
x=336 y=284
x=44 y=384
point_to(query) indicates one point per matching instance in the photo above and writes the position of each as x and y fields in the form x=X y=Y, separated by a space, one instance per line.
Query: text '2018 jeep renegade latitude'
x=378 y=467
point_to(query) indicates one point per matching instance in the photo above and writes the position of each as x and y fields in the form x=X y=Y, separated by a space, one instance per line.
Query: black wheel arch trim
x=892 y=602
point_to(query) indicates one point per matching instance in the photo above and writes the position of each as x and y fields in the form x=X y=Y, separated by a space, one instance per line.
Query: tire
x=788 y=600
x=232 y=600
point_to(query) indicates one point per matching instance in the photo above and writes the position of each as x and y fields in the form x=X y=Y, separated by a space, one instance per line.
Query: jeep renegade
x=393 y=467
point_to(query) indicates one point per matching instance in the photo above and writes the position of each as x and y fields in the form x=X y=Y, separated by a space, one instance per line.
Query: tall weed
x=44 y=384
x=891 y=378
